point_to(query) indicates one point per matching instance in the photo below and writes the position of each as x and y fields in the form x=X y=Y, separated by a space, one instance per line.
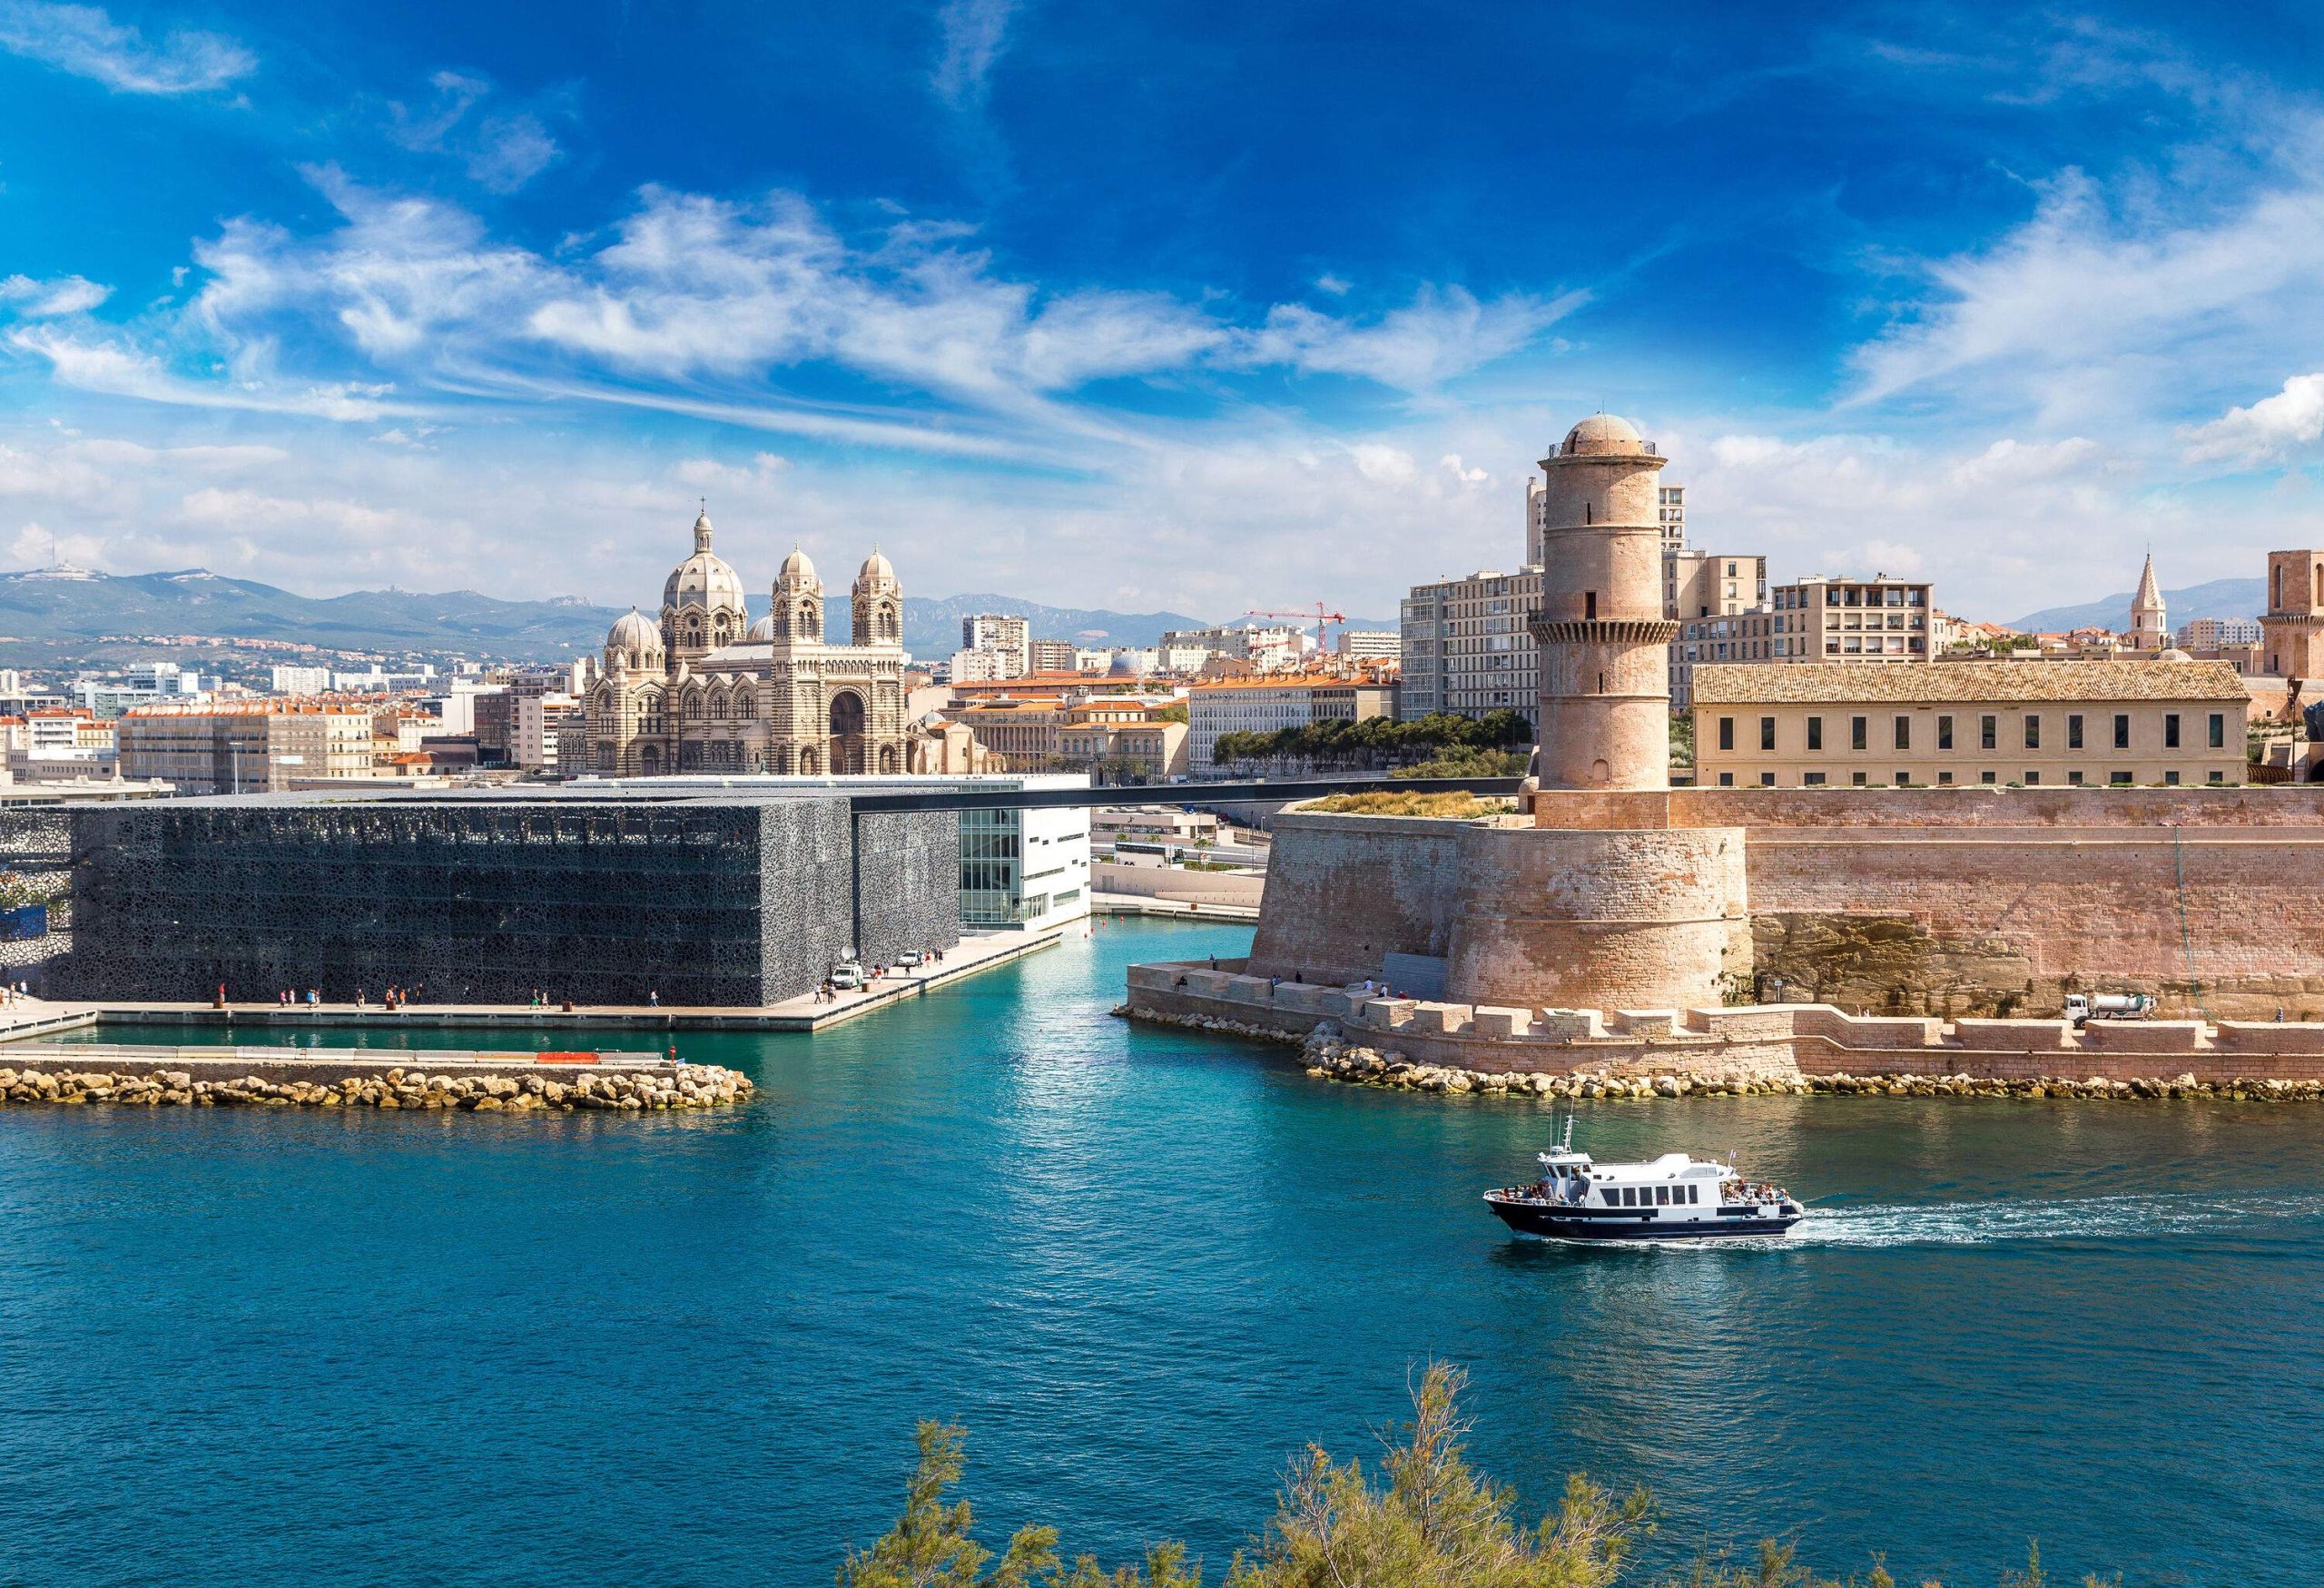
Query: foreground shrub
x=1434 y=1522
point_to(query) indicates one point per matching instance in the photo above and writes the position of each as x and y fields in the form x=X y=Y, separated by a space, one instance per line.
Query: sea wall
x=1759 y=1041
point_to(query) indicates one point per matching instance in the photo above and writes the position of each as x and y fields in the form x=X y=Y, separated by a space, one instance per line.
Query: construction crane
x=1320 y=615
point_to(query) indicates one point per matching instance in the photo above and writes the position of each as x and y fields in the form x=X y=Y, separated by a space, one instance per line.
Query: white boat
x=1676 y=1196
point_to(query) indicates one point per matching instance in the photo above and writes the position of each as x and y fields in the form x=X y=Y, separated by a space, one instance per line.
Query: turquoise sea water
x=243 y=1348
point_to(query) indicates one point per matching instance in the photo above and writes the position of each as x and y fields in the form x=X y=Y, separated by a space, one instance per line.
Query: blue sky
x=1192 y=306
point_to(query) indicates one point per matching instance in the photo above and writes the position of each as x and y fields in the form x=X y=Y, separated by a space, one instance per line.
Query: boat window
x=1662 y=1196
x=1694 y=1193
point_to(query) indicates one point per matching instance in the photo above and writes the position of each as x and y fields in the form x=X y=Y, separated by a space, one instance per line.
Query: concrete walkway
x=1138 y=904
x=982 y=952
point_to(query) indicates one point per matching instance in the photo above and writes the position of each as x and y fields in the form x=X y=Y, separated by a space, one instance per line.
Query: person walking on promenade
x=653 y=997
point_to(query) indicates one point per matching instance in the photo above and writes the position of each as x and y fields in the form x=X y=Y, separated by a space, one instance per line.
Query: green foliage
x=1374 y=742
x=1424 y=1519
x=1458 y=804
x=1437 y=1521
x=1467 y=761
x=1682 y=740
x=1170 y=714
x=930 y=1546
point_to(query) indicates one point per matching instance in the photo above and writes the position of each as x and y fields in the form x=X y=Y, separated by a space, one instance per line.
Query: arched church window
x=694 y=706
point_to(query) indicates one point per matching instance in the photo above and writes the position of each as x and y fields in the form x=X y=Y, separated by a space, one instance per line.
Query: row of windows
x=1900 y=733
x=1651 y=1195
x=2119 y=778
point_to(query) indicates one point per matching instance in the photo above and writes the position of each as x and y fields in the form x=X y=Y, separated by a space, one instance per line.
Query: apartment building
x=1370 y=645
x=1465 y=645
x=245 y=746
x=1051 y=655
x=993 y=631
x=1856 y=724
x=1269 y=705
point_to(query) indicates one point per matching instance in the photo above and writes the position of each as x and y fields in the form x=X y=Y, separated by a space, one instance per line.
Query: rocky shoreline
x=1328 y=1057
x=691 y=1086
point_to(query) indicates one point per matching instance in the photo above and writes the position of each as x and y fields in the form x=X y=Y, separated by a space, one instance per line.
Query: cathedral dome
x=703 y=580
x=634 y=633
x=876 y=569
x=797 y=569
x=1602 y=433
x=763 y=630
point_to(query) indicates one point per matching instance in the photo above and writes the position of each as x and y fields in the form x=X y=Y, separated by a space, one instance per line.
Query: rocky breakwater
x=1328 y=1056
x=684 y=1086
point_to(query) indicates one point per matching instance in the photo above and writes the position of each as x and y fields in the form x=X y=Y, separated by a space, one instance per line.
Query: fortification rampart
x=1942 y=902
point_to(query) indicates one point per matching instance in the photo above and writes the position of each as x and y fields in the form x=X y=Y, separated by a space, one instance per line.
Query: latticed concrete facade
x=700 y=900
x=706 y=691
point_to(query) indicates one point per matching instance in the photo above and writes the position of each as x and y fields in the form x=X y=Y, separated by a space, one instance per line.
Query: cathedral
x=708 y=691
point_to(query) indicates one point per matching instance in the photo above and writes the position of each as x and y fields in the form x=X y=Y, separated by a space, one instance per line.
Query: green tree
x=1437 y=1521
x=930 y=1545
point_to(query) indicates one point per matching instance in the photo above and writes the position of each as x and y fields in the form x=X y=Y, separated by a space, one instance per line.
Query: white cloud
x=63 y=295
x=971 y=35
x=1442 y=333
x=104 y=367
x=85 y=41
x=763 y=469
x=2267 y=431
x=1337 y=286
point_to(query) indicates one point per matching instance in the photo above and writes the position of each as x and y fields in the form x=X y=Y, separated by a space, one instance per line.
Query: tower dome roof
x=797 y=566
x=703 y=580
x=763 y=628
x=633 y=631
x=1603 y=433
x=875 y=568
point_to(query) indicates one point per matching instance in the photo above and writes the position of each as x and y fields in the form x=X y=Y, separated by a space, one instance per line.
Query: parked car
x=910 y=958
x=847 y=975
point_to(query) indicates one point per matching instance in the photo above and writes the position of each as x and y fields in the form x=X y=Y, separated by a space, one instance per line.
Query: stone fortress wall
x=1960 y=901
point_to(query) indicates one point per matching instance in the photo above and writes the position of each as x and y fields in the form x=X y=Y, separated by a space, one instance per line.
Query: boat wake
x=2066 y=1218
x=2086 y=1219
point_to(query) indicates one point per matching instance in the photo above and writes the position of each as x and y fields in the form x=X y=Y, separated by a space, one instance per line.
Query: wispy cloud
x=708 y=306
x=34 y=300
x=86 y=42
x=502 y=149
x=971 y=37
x=118 y=371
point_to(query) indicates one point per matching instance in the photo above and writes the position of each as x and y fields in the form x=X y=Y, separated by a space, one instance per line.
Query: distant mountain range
x=51 y=617
x=2219 y=598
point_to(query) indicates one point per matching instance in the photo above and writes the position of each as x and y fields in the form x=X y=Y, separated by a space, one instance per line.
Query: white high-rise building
x=992 y=631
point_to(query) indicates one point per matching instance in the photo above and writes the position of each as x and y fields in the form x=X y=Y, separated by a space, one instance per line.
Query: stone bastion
x=1949 y=902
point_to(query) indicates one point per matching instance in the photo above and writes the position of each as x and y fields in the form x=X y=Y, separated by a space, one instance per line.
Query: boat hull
x=1620 y=1224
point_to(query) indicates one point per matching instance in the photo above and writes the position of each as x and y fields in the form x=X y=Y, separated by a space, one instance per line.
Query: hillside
x=2219 y=599
x=56 y=617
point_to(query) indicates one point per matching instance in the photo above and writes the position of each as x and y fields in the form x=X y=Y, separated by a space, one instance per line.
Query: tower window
x=1590 y=604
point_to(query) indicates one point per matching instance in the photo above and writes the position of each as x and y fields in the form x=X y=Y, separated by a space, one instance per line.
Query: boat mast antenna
x=1566 y=1144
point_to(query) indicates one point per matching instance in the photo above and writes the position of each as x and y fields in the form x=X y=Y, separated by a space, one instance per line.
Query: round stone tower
x=1604 y=717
